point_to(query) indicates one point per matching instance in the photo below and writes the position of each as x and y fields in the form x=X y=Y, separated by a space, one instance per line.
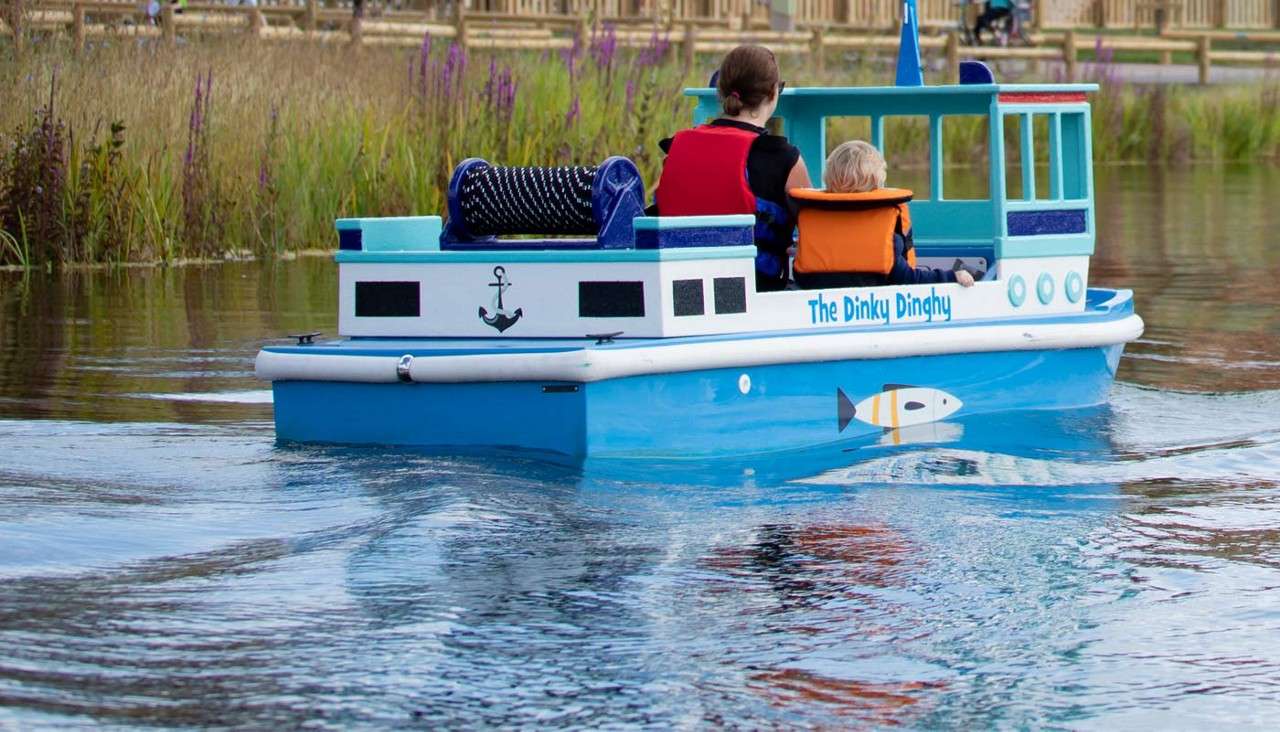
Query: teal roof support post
x=909 y=70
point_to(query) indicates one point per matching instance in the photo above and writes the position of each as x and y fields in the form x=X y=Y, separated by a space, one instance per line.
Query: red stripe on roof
x=1042 y=97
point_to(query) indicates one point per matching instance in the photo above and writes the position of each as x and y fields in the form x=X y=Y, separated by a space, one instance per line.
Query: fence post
x=1202 y=58
x=309 y=20
x=77 y=27
x=953 y=56
x=819 y=44
x=170 y=26
x=17 y=25
x=690 y=45
x=1069 y=53
x=1220 y=14
x=357 y=31
x=460 y=25
x=1275 y=14
x=1100 y=13
x=257 y=21
x=580 y=30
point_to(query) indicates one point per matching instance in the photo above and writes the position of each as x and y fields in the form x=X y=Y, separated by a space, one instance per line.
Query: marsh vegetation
x=132 y=152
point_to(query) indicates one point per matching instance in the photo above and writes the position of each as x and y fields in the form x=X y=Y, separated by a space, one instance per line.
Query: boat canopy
x=1040 y=193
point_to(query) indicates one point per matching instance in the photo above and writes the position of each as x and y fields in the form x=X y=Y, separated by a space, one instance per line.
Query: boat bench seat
x=567 y=208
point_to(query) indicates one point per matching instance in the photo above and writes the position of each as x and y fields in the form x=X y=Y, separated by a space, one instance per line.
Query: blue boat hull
x=710 y=413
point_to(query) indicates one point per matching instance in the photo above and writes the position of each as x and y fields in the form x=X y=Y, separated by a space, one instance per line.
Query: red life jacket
x=705 y=173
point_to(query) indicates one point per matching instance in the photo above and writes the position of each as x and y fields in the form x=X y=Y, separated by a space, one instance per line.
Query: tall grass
x=133 y=152
x=233 y=148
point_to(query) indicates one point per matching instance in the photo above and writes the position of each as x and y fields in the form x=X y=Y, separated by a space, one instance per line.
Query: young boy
x=857 y=167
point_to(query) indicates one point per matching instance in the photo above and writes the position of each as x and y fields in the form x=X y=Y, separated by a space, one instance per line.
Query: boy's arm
x=904 y=274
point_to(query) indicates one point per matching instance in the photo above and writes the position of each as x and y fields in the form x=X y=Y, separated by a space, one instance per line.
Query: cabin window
x=1074 y=151
x=903 y=140
x=842 y=129
x=966 y=143
x=1047 y=186
x=905 y=146
x=1015 y=164
x=1045 y=156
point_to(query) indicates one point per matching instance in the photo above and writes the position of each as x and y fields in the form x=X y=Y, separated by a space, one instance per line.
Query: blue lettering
x=821 y=311
x=928 y=307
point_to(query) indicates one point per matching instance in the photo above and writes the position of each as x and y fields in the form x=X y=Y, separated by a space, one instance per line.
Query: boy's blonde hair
x=854 y=167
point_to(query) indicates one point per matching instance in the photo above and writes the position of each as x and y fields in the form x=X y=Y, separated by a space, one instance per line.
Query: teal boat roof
x=920 y=91
x=804 y=111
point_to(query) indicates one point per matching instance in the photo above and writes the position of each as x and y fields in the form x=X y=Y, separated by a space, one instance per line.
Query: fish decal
x=501 y=318
x=897 y=405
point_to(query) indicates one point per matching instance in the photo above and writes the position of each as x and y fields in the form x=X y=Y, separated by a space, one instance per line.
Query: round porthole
x=1074 y=286
x=1044 y=288
x=744 y=383
x=1017 y=291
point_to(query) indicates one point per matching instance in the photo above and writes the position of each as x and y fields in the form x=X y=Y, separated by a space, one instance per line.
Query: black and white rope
x=498 y=201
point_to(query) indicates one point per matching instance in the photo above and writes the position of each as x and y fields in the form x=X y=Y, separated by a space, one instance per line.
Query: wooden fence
x=88 y=19
x=862 y=15
x=882 y=14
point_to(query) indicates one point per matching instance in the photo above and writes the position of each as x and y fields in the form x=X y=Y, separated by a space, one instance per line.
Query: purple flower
x=491 y=85
x=571 y=56
x=656 y=52
x=631 y=94
x=453 y=70
x=574 y=110
x=424 y=64
x=603 y=48
x=1104 y=69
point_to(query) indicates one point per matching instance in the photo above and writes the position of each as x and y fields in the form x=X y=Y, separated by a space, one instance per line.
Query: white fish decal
x=897 y=406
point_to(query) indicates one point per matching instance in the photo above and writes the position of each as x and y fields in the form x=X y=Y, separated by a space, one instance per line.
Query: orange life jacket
x=852 y=232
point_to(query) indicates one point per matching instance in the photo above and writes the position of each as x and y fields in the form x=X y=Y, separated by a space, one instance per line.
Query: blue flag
x=909 y=71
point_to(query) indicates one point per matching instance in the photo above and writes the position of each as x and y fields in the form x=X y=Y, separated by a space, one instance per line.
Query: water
x=163 y=562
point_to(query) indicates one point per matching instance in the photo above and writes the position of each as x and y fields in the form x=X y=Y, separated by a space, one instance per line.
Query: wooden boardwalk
x=714 y=29
x=859 y=15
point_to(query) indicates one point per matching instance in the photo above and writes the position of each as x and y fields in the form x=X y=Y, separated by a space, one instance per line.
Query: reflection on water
x=163 y=562
x=1200 y=249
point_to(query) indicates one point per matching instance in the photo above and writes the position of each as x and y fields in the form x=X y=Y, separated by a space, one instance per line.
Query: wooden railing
x=89 y=19
x=831 y=14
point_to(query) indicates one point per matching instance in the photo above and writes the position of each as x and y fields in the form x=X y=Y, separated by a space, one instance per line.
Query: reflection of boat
x=649 y=339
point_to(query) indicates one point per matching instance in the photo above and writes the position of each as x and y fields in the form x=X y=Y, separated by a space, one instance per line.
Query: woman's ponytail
x=748 y=78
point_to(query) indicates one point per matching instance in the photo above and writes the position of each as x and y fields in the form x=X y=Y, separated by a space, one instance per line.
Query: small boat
x=646 y=337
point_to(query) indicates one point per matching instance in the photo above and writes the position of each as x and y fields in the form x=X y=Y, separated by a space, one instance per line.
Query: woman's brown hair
x=748 y=77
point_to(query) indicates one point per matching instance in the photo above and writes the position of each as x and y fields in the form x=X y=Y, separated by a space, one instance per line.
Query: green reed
x=133 y=152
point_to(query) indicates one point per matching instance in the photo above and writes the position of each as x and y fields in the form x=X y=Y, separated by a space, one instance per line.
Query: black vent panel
x=730 y=295
x=611 y=299
x=388 y=300
x=686 y=296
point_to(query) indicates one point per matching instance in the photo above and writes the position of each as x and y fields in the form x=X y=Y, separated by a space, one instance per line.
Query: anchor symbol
x=501 y=318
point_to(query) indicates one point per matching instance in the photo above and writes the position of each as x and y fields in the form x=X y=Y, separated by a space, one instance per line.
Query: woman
x=734 y=166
